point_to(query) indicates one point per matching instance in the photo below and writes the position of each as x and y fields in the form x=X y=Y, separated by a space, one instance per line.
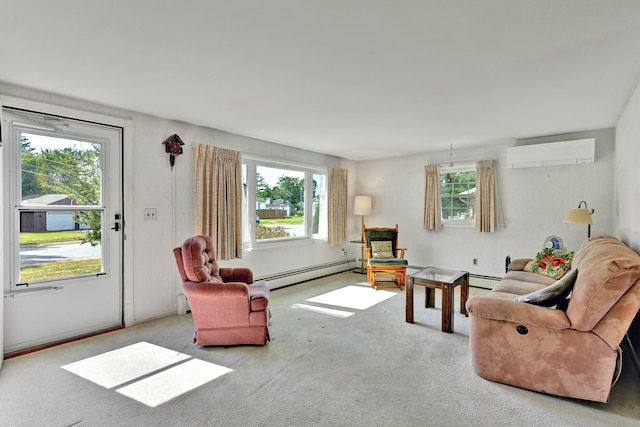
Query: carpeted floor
x=349 y=366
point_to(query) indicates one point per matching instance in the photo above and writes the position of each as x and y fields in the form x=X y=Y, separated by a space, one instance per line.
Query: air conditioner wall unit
x=576 y=152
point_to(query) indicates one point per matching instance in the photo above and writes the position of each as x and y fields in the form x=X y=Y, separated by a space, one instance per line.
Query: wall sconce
x=580 y=215
x=173 y=146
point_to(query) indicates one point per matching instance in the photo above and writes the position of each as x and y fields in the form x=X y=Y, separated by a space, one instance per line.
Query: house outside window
x=458 y=193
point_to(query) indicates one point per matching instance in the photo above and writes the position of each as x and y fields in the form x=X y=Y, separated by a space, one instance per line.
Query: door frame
x=127 y=196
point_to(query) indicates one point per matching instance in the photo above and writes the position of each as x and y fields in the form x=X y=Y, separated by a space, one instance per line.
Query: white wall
x=150 y=275
x=156 y=281
x=627 y=174
x=534 y=202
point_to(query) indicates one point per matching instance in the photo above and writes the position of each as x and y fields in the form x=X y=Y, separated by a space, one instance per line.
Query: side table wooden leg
x=447 y=308
x=464 y=295
x=408 y=290
x=429 y=297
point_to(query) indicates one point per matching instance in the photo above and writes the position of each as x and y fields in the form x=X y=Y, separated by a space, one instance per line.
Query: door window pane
x=58 y=178
x=59 y=171
x=58 y=244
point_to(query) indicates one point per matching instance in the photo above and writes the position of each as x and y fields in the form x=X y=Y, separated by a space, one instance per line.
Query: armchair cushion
x=554 y=294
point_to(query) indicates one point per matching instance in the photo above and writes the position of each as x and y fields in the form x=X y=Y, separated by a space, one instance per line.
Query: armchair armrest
x=240 y=274
x=519 y=264
x=215 y=289
x=259 y=296
x=517 y=312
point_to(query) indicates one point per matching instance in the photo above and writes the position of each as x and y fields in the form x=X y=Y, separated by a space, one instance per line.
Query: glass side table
x=433 y=278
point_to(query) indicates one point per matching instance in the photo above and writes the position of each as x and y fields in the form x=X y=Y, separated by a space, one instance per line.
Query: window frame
x=250 y=165
x=72 y=131
x=446 y=222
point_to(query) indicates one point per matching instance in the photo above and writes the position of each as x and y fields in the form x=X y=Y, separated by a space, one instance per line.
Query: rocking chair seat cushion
x=387 y=262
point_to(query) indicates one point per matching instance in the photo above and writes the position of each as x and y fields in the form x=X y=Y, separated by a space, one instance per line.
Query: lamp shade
x=578 y=216
x=362 y=205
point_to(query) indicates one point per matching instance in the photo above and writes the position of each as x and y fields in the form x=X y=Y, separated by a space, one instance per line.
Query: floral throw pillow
x=550 y=262
x=381 y=249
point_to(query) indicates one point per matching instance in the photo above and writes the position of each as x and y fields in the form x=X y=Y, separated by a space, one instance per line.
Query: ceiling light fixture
x=449 y=177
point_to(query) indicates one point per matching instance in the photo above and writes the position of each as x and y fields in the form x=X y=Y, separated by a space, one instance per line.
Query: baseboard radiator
x=290 y=277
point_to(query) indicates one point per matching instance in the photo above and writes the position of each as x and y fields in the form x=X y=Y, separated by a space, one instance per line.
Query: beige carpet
x=344 y=358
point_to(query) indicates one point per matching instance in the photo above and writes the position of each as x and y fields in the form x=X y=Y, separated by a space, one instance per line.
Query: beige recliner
x=573 y=353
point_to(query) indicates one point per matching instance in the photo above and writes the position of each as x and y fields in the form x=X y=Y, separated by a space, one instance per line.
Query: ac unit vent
x=576 y=152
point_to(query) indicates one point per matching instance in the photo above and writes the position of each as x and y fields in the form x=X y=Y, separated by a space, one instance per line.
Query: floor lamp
x=580 y=215
x=362 y=207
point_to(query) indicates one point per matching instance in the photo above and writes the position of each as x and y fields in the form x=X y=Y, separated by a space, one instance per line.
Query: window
x=458 y=192
x=60 y=197
x=283 y=201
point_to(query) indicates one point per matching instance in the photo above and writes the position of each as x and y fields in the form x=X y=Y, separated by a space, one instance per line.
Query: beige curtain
x=218 y=199
x=337 y=206
x=432 y=198
x=486 y=204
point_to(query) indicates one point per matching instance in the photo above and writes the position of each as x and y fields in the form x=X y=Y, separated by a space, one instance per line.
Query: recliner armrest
x=508 y=310
x=518 y=264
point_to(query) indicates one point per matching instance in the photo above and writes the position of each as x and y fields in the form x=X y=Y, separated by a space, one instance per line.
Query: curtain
x=432 y=198
x=337 y=206
x=323 y=219
x=486 y=200
x=218 y=199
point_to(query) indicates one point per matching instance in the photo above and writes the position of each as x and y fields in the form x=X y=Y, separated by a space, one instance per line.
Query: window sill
x=469 y=223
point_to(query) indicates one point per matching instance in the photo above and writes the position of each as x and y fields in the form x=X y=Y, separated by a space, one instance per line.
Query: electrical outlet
x=150 y=214
x=344 y=253
x=475 y=261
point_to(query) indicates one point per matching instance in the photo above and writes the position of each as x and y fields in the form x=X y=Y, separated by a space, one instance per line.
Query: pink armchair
x=228 y=308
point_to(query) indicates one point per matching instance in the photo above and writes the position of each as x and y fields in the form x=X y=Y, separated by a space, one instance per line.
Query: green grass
x=55 y=270
x=51 y=237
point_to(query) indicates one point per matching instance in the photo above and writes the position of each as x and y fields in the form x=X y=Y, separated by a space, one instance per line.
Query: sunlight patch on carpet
x=324 y=310
x=148 y=373
x=120 y=366
x=352 y=296
x=166 y=385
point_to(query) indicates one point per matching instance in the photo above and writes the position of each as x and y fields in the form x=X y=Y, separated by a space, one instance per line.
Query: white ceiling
x=360 y=79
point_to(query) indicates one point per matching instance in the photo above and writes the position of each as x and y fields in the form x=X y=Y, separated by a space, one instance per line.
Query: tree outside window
x=458 y=192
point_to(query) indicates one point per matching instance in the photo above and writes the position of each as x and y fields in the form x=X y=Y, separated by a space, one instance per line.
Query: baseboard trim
x=57 y=343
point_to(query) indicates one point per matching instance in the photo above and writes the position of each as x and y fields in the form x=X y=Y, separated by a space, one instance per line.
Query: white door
x=66 y=282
